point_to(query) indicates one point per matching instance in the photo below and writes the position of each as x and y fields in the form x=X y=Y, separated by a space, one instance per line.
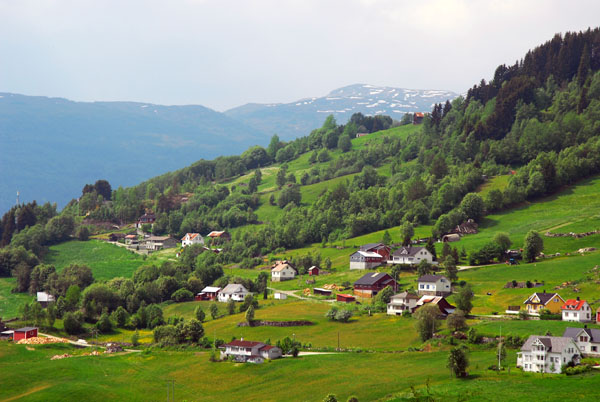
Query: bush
x=343 y=315
x=182 y=295
x=577 y=370
x=135 y=338
x=165 y=335
x=72 y=323
x=104 y=324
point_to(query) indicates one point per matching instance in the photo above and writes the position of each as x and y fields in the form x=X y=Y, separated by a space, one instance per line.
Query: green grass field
x=10 y=303
x=30 y=375
x=106 y=260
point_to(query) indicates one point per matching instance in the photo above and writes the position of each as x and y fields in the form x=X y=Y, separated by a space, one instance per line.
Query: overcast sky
x=223 y=54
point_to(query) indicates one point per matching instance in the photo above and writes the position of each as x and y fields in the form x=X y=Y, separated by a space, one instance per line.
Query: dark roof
x=243 y=344
x=547 y=343
x=544 y=297
x=571 y=332
x=372 y=278
x=25 y=329
x=430 y=278
x=371 y=246
x=407 y=250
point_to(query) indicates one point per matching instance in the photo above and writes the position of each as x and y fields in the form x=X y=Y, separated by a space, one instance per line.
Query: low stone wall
x=575 y=235
x=276 y=324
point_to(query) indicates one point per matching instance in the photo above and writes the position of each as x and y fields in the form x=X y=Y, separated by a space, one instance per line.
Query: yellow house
x=540 y=301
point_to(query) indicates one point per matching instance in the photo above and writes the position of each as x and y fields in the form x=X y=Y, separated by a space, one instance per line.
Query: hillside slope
x=290 y=120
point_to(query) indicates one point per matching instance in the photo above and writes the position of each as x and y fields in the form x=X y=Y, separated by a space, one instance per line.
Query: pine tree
x=584 y=65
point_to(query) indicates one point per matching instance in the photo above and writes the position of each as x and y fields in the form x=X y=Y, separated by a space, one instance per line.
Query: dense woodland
x=539 y=118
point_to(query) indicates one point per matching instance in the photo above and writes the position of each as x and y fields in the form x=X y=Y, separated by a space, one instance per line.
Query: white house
x=577 y=310
x=547 y=354
x=191 y=238
x=412 y=256
x=249 y=351
x=402 y=302
x=586 y=339
x=44 y=298
x=365 y=260
x=283 y=271
x=232 y=291
x=279 y=296
x=434 y=285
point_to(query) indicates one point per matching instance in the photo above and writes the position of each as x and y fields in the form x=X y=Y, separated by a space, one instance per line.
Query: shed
x=25 y=333
x=450 y=237
x=280 y=296
x=321 y=291
x=313 y=271
x=346 y=298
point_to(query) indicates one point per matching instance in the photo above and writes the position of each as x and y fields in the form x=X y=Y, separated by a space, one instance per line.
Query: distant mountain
x=51 y=147
x=291 y=120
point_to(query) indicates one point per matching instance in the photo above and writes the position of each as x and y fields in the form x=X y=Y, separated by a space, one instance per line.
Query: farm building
x=44 y=299
x=544 y=301
x=321 y=291
x=379 y=248
x=116 y=236
x=191 y=238
x=434 y=285
x=586 y=339
x=372 y=283
x=283 y=271
x=208 y=293
x=155 y=243
x=577 y=310
x=147 y=218
x=25 y=333
x=280 y=296
x=313 y=271
x=418 y=117
x=445 y=307
x=234 y=292
x=365 y=260
x=401 y=302
x=450 y=238
x=249 y=351
x=411 y=255
x=346 y=298
x=131 y=239
x=219 y=235
x=547 y=354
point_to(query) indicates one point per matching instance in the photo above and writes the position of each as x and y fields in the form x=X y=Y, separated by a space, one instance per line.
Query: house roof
x=216 y=233
x=554 y=344
x=323 y=290
x=267 y=347
x=158 y=238
x=243 y=344
x=573 y=304
x=368 y=254
x=313 y=267
x=234 y=288
x=419 y=114
x=405 y=295
x=25 y=329
x=594 y=334
x=543 y=297
x=283 y=265
x=408 y=251
x=210 y=289
x=371 y=246
x=345 y=295
x=439 y=301
x=131 y=237
x=44 y=297
x=372 y=278
x=191 y=236
x=431 y=278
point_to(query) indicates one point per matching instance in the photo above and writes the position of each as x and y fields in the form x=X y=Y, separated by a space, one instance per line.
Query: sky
x=223 y=53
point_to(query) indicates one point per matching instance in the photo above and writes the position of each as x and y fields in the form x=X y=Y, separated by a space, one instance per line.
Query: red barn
x=25 y=333
x=346 y=298
x=379 y=248
x=313 y=271
x=372 y=283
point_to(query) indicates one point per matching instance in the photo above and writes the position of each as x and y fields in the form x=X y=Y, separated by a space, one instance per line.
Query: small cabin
x=313 y=271
x=25 y=333
x=321 y=291
x=345 y=298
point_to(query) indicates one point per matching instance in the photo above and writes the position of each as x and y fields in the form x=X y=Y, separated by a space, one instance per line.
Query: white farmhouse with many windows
x=586 y=339
x=283 y=271
x=411 y=256
x=191 y=238
x=547 y=354
x=234 y=292
x=249 y=351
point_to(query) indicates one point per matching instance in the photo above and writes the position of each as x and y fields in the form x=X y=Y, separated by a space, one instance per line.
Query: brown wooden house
x=372 y=283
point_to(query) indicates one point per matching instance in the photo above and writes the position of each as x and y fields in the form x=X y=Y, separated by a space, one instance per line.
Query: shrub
x=165 y=335
x=343 y=315
x=72 y=323
x=135 y=338
x=182 y=295
x=577 y=370
x=104 y=324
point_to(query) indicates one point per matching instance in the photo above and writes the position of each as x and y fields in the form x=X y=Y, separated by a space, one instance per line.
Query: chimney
x=544 y=291
x=577 y=298
x=585 y=326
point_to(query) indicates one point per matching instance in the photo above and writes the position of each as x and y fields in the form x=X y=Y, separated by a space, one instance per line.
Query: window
x=594 y=348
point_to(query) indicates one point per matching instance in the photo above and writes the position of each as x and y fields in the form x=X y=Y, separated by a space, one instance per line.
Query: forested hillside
x=539 y=118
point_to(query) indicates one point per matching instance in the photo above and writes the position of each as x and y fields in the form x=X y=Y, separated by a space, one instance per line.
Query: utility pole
x=499 y=348
x=171 y=386
x=338 y=348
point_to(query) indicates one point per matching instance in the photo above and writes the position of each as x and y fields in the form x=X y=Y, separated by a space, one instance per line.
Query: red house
x=418 y=118
x=25 y=333
x=346 y=298
x=372 y=283
x=313 y=271
x=378 y=248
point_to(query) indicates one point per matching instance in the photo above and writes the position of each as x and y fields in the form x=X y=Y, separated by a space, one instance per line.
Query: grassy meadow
x=10 y=303
x=383 y=376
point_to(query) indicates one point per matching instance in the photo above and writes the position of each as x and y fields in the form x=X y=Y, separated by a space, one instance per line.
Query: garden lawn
x=106 y=260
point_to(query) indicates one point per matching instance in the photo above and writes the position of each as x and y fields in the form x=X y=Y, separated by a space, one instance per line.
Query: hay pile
x=39 y=340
